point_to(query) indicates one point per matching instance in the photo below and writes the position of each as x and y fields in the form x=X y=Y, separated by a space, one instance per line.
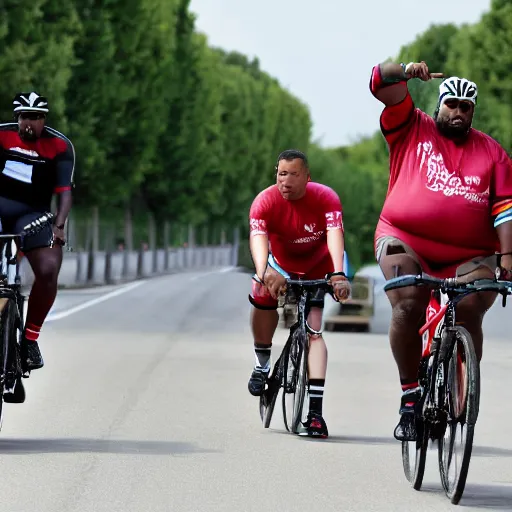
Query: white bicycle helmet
x=30 y=102
x=457 y=88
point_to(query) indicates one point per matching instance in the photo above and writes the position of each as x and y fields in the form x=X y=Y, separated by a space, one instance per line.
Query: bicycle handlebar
x=309 y=283
x=450 y=284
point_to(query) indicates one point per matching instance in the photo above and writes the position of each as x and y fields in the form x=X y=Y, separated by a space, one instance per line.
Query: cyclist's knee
x=409 y=309
x=315 y=318
x=46 y=269
x=260 y=297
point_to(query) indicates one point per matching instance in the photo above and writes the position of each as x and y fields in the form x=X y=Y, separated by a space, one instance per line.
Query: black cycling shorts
x=14 y=216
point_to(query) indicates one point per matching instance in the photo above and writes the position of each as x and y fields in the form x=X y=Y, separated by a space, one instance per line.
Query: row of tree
x=162 y=122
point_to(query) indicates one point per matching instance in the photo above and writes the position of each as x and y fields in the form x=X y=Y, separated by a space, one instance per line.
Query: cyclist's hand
x=506 y=267
x=420 y=70
x=59 y=236
x=274 y=282
x=341 y=287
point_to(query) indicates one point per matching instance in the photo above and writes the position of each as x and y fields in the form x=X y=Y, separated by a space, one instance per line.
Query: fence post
x=94 y=245
x=236 y=245
x=152 y=243
x=166 y=245
x=108 y=255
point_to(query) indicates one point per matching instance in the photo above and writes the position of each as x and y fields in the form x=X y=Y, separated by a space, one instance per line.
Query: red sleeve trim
x=58 y=190
x=395 y=117
x=376 y=79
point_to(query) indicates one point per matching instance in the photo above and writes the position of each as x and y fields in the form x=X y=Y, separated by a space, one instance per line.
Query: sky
x=323 y=51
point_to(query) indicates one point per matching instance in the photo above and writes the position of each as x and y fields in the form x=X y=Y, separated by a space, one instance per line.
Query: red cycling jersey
x=441 y=195
x=297 y=230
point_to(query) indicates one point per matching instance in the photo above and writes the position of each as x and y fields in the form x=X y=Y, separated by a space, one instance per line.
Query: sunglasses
x=464 y=106
x=32 y=115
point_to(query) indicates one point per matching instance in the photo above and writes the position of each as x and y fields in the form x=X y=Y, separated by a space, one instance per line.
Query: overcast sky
x=323 y=51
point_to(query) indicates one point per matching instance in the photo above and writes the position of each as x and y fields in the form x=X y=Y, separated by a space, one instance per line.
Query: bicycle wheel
x=462 y=402
x=7 y=331
x=295 y=382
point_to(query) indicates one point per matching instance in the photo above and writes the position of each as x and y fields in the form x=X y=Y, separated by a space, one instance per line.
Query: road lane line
x=87 y=304
x=220 y=271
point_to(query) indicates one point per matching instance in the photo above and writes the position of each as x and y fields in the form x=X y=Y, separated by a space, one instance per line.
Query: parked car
x=356 y=314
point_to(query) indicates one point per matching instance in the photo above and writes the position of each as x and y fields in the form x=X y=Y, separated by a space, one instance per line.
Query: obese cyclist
x=296 y=229
x=447 y=212
x=36 y=163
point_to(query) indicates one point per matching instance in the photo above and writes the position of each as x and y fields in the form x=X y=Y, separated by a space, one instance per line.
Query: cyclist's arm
x=336 y=246
x=334 y=228
x=502 y=203
x=258 y=236
x=65 y=165
x=259 y=252
x=388 y=84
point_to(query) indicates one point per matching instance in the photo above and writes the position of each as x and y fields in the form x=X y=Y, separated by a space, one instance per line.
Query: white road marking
x=220 y=271
x=87 y=304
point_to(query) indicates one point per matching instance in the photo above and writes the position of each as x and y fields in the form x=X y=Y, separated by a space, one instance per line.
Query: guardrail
x=82 y=269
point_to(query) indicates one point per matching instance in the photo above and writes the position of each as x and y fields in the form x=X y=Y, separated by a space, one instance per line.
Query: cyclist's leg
x=264 y=320
x=408 y=306
x=471 y=310
x=45 y=262
x=408 y=313
x=317 y=358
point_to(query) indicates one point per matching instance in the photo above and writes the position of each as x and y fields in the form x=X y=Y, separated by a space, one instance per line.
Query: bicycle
x=449 y=378
x=12 y=303
x=290 y=369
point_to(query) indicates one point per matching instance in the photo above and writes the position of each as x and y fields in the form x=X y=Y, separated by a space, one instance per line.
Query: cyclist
x=37 y=162
x=446 y=212
x=296 y=229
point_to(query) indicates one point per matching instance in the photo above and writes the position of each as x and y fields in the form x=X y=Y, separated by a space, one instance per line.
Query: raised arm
x=389 y=80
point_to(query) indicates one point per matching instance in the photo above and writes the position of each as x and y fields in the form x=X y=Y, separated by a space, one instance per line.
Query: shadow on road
x=478 y=451
x=85 y=445
x=489 y=497
x=486 y=497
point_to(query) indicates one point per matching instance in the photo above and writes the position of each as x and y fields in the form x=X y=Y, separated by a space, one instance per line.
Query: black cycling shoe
x=406 y=428
x=257 y=382
x=16 y=394
x=315 y=426
x=31 y=355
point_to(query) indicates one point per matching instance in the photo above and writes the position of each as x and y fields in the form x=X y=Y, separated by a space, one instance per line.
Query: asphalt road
x=143 y=406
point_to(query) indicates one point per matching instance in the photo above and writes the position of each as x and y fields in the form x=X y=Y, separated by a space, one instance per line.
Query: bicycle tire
x=7 y=329
x=295 y=380
x=415 y=472
x=467 y=411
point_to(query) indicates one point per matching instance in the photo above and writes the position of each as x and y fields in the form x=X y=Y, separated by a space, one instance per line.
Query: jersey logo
x=310 y=228
x=18 y=171
x=440 y=179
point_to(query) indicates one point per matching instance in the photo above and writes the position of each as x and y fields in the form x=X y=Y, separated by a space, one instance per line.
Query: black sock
x=316 y=395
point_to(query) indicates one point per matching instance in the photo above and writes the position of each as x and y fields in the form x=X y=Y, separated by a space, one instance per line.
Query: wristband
x=332 y=274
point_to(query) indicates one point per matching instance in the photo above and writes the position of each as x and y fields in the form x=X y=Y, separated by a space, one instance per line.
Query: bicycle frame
x=440 y=315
